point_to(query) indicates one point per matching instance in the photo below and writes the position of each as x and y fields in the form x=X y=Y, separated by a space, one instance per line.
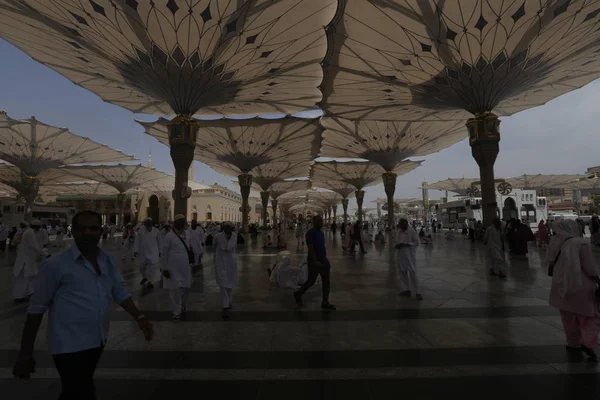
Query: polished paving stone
x=472 y=336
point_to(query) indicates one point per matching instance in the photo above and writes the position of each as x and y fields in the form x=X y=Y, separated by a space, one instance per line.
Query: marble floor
x=472 y=336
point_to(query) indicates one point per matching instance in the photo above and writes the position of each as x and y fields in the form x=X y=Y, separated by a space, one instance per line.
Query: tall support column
x=183 y=131
x=389 y=184
x=121 y=200
x=379 y=211
x=264 y=199
x=360 y=196
x=29 y=192
x=274 y=208
x=425 y=201
x=334 y=209
x=484 y=138
x=345 y=207
x=245 y=181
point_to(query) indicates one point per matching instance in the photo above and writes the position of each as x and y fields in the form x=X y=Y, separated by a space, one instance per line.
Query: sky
x=557 y=138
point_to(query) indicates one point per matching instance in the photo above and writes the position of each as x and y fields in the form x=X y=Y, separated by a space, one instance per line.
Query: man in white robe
x=42 y=235
x=175 y=264
x=225 y=246
x=407 y=241
x=26 y=266
x=197 y=238
x=147 y=245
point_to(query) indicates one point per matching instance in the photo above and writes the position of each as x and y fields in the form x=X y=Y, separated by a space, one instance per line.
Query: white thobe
x=406 y=259
x=197 y=239
x=60 y=236
x=42 y=237
x=174 y=258
x=226 y=265
x=147 y=245
x=26 y=268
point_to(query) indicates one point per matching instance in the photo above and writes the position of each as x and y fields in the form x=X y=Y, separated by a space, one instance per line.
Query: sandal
x=328 y=306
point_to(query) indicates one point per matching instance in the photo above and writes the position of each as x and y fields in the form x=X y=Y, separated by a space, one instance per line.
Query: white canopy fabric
x=456 y=185
x=208 y=57
x=283 y=189
x=233 y=147
x=388 y=143
x=446 y=60
x=541 y=181
x=342 y=188
x=121 y=177
x=587 y=182
x=328 y=199
x=34 y=146
x=91 y=190
x=359 y=174
x=265 y=176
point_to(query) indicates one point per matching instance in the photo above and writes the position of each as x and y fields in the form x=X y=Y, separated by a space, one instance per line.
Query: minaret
x=150 y=159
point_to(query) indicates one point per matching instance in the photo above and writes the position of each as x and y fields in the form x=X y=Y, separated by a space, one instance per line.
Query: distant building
x=215 y=203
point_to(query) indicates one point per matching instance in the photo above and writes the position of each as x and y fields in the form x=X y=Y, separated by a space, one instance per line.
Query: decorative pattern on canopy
x=359 y=174
x=342 y=188
x=34 y=146
x=540 y=181
x=285 y=189
x=234 y=147
x=211 y=57
x=387 y=143
x=265 y=176
x=328 y=199
x=443 y=60
x=122 y=177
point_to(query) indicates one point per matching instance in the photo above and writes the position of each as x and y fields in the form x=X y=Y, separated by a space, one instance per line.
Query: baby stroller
x=285 y=275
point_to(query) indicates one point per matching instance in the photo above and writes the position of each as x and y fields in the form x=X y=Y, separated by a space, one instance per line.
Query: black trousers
x=76 y=372
x=313 y=272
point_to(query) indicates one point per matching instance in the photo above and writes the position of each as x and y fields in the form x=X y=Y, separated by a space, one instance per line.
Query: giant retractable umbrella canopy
x=460 y=186
x=359 y=174
x=123 y=178
x=287 y=188
x=34 y=148
x=237 y=147
x=33 y=189
x=457 y=60
x=582 y=183
x=342 y=188
x=388 y=143
x=265 y=176
x=88 y=190
x=543 y=181
x=329 y=200
x=178 y=57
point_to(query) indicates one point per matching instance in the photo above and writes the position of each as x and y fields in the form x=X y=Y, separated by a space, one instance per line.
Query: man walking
x=197 y=239
x=318 y=264
x=147 y=245
x=26 y=264
x=225 y=245
x=407 y=241
x=78 y=286
x=176 y=260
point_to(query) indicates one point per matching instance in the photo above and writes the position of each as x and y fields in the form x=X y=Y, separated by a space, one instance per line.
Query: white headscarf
x=568 y=272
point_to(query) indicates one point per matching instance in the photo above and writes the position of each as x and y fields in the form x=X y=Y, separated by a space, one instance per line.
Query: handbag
x=191 y=255
x=552 y=264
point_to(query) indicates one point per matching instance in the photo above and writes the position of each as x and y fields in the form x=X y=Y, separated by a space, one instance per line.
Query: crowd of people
x=171 y=254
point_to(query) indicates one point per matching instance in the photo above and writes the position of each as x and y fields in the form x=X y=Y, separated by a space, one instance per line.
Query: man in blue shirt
x=77 y=286
x=318 y=264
